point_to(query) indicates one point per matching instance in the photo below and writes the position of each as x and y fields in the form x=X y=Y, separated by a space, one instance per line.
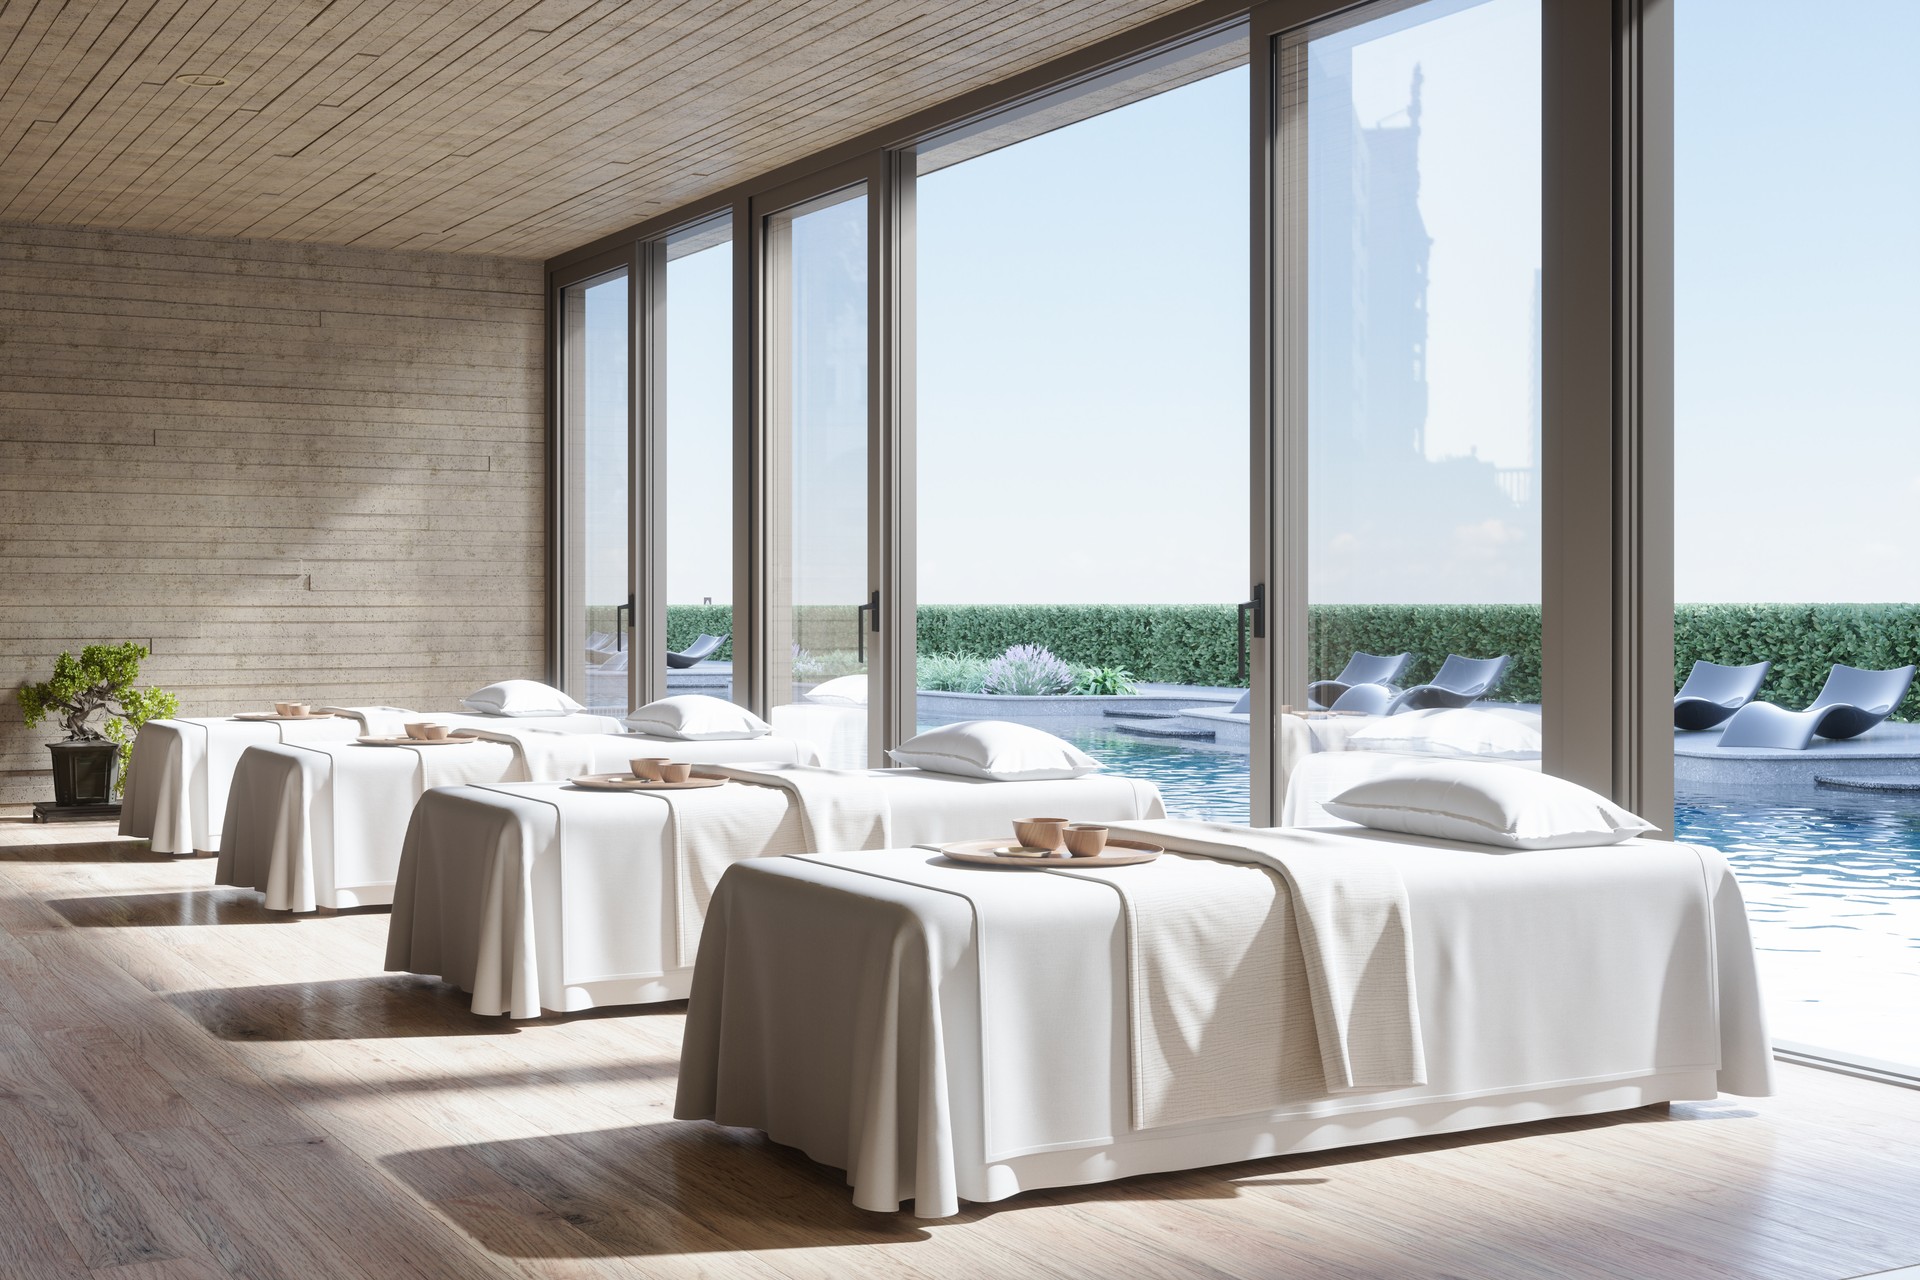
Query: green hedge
x=1194 y=644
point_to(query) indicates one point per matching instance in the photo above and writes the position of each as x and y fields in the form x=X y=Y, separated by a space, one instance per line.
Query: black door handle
x=620 y=632
x=1257 y=608
x=860 y=632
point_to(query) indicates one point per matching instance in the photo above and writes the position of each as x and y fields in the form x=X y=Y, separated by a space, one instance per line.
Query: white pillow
x=520 y=698
x=845 y=691
x=695 y=717
x=995 y=749
x=1460 y=732
x=1486 y=804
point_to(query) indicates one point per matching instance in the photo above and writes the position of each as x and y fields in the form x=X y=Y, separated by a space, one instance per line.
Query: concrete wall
x=295 y=471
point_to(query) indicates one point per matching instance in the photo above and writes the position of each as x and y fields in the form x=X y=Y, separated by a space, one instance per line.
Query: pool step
x=1178 y=735
x=1869 y=784
x=1140 y=715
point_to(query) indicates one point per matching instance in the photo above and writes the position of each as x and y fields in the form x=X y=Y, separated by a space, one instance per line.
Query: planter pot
x=84 y=773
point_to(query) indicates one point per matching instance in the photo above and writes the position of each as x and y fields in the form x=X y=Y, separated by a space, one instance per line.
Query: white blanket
x=321 y=824
x=552 y=897
x=978 y=1038
x=1218 y=961
x=177 y=782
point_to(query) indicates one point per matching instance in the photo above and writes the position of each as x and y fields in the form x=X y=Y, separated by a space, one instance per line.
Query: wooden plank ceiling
x=512 y=127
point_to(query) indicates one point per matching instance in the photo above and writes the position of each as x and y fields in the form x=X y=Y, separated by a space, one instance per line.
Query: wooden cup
x=648 y=769
x=1086 y=839
x=1040 y=833
x=675 y=772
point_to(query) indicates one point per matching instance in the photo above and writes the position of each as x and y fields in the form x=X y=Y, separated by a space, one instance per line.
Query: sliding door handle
x=859 y=631
x=620 y=632
x=1254 y=611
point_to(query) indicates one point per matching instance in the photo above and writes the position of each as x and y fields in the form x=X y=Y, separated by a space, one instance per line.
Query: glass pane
x=817 y=395
x=597 y=635
x=1797 y=459
x=697 y=364
x=1411 y=189
x=1082 y=431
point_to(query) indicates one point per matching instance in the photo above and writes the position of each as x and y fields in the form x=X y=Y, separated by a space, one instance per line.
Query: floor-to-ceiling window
x=1409 y=196
x=1797 y=467
x=1082 y=437
x=815 y=362
x=696 y=365
x=595 y=633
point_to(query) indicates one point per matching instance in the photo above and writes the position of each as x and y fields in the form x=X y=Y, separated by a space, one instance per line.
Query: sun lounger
x=1361 y=668
x=1713 y=692
x=1851 y=702
x=1460 y=682
x=703 y=647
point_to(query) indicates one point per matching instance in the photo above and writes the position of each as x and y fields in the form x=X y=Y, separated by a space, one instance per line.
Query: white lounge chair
x=1361 y=668
x=1714 y=692
x=1851 y=702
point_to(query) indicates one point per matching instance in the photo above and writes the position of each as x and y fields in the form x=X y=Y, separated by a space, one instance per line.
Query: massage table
x=320 y=824
x=551 y=897
x=946 y=1032
x=182 y=768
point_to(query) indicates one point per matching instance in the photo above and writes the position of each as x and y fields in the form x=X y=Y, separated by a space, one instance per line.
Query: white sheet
x=839 y=732
x=536 y=896
x=976 y=1044
x=181 y=769
x=321 y=824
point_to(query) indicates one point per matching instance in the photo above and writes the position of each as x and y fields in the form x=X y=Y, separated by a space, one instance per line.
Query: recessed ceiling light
x=203 y=82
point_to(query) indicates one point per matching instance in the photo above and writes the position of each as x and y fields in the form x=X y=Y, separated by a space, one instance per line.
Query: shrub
x=950 y=673
x=1030 y=670
x=1104 y=682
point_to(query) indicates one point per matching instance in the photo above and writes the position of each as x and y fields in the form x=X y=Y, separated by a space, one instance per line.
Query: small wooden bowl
x=648 y=768
x=1086 y=839
x=675 y=772
x=299 y=709
x=280 y=708
x=433 y=733
x=1040 y=833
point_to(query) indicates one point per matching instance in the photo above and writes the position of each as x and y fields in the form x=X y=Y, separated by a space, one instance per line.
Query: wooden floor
x=191 y=1086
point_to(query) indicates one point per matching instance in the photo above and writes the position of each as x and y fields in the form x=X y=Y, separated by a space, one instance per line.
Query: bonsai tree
x=98 y=682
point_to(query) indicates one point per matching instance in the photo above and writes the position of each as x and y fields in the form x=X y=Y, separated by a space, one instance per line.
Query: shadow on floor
x=24 y=840
x=677 y=1187
x=394 y=1005
x=646 y=1191
x=161 y=910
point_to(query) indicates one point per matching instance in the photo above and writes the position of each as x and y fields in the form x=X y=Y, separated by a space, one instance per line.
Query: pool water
x=1211 y=785
x=1832 y=883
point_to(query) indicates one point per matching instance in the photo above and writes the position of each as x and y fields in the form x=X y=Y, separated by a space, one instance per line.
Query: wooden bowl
x=280 y=708
x=1040 y=833
x=675 y=772
x=299 y=709
x=648 y=768
x=433 y=733
x=1086 y=839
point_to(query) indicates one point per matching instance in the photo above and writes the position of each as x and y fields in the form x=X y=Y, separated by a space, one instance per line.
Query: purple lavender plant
x=1028 y=669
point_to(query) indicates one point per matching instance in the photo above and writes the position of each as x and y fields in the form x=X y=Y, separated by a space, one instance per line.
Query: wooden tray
x=417 y=742
x=627 y=782
x=274 y=715
x=993 y=853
